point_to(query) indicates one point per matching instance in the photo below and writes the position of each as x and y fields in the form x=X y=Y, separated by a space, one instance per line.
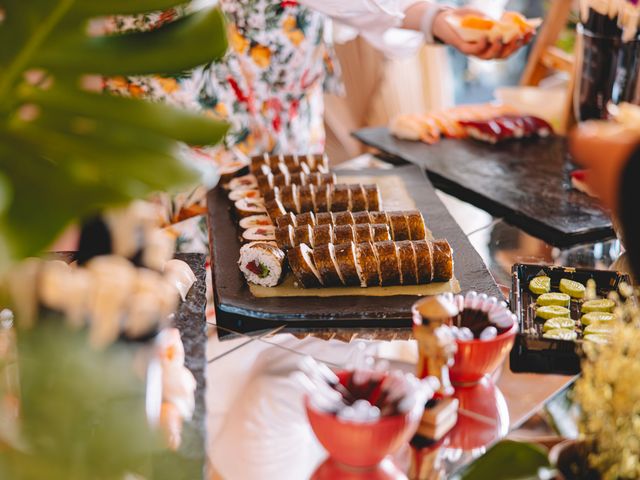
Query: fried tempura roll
x=399 y=226
x=342 y=218
x=289 y=198
x=442 y=261
x=362 y=217
x=379 y=217
x=322 y=198
x=303 y=234
x=374 y=202
x=346 y=259
x=417 y=228
x=340 y=198
x=322 y=235
x=324 y=178
x=303 y=268
x=358 y=198
x=324 y=258
x=343 y=234
x=389 y=263
x=363 y=232
x=306 y=218
x=323 y=218
x=305 y=195
x=408 y=265
x=368 y=265
x=287 y=219
x=265 y=183
x=275 y=209
x=380 y=232
x=424 y=260
x=285 y=237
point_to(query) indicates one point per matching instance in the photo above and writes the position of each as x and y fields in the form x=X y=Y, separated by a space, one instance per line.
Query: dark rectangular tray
x=526 y=182
x=531 y=352
x=237 y=309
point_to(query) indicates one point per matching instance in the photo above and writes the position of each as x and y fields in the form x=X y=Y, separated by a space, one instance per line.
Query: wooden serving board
x=237 y=309
x=526 y=182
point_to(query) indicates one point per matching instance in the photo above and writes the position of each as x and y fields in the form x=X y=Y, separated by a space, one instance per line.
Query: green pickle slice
x=599 y=338
x=554 y=298
x=572 y=288
x=599 y=305
x=551 y=311
x=598 y=328
x=561 y=334
x=558 y=322
x=592 y=317
x=540 y=285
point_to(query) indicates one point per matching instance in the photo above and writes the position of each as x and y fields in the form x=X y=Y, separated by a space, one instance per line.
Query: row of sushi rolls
x=293 y=214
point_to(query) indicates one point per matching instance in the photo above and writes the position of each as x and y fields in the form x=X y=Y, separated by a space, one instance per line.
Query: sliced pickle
x=554 y=298
x=598 y=338
x=573 y=288
x=540 y=285
x=551 y=311
x=561 y=334
x=599 y=305
x=599 y=328
x=558 y=322
x=589 y=318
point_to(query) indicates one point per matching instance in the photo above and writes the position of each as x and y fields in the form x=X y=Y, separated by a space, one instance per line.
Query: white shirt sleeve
x=378 y=21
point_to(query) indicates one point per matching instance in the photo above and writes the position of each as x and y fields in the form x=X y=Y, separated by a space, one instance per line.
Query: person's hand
x=484 y=48
x=604 y=149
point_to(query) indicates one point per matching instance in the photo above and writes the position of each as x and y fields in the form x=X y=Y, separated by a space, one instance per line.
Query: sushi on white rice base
x=262 y=263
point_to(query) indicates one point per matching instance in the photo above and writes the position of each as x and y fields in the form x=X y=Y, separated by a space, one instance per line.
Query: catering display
x=555 y=316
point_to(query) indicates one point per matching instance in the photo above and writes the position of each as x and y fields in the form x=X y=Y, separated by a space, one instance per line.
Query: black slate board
x=526 y=182
x=237 y=309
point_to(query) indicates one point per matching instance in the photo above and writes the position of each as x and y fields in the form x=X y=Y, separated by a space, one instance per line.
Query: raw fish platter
x=305 y=239
x=557 y=317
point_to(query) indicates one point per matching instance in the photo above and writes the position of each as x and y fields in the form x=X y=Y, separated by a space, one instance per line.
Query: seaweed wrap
x=346 y=259
x=442 y=261
x=389 y=262
x=303 y=267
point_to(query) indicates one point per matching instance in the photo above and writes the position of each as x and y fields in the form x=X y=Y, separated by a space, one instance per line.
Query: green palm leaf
x=66 y=152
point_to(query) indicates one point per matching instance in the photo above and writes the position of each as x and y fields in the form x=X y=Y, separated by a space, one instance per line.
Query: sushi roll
x=343 y=234
x=303 y=234
x=342 y=218
x=368 y=265
x=302 y=266
x=240 y=193
x=265 y=183
x=275 y=209
x=289 y=197
x=399 y=226
x=358 y=198
x=231 y=169
x=417 y=228
x=408 y=265
x=285 y=237
x=363 y=232
x=255 y=221
x=246 y=207
x=380 y=232
x=307 y=218
x=442 y=261
x=246 y=181
x=389 y=263
x=340 y=198
x=286 y=219
x=323 y=218
x=362 y=217
x=374 y=201
x=323 y=178
x=324 y=258
x=346 y=259
x=306 y=195
x=322 y=235
x=424 y=260
x=379 y=217
x=259 y=234
x=322 y=200
x=262 y=264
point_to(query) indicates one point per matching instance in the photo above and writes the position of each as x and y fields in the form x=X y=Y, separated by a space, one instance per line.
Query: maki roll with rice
x=303 y=267
x=262 y=264
x=442 y=261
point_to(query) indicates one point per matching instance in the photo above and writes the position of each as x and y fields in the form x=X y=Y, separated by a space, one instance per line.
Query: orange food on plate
x=477 y=23
x=517 y=19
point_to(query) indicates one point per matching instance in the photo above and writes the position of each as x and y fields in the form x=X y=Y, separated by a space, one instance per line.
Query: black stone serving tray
x=533 y=353
x=526 y=182
x=237 y=309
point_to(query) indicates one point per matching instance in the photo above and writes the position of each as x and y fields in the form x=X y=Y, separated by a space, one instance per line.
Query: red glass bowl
x=477 y=358
x=362 y=445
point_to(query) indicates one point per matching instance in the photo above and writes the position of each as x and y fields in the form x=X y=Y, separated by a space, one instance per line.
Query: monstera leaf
x=67 y=151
